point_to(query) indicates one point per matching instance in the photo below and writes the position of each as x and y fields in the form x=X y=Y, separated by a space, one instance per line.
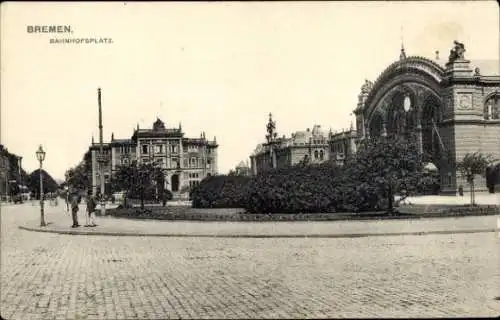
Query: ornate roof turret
x=241 y=165
x=112 y=136
x=92 y=139
x=158 y=125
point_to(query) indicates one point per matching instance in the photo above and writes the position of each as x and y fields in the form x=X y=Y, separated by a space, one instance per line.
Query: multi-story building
x=342 y=145
x=452 y=105
x=10 y=172
x=309 y=146
x=185 y=161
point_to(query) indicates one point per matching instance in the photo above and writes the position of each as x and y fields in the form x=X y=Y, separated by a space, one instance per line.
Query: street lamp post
x=40 y=155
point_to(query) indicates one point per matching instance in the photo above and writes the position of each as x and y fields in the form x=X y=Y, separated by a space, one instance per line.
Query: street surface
x=53 y=276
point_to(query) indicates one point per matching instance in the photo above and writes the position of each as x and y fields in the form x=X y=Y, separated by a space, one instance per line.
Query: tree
x=49 y=184
x=159 y=179
x=79 y=176
x=471 y=165
x=139 y=180
x=384 y=167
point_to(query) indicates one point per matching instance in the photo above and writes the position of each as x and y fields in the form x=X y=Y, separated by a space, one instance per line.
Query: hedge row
x=189 y=214
x=311 y=189
x=382 y=168
x=221 y=192
x=299 y=189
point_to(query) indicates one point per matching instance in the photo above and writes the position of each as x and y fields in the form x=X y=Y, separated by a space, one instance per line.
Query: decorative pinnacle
x=402 y=55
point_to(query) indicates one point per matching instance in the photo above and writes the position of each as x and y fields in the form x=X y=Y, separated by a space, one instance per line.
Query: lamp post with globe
x=40 y=155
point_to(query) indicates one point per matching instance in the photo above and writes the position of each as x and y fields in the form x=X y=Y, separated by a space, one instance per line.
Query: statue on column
x=271 y=127
x=457 y=53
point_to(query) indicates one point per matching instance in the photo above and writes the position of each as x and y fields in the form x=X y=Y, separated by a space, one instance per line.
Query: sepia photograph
x=249 y=160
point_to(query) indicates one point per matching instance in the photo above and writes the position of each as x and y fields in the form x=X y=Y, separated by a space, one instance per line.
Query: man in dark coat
x=75 y=201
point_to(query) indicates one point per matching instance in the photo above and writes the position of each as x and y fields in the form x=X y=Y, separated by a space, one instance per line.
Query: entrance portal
x=175 y=183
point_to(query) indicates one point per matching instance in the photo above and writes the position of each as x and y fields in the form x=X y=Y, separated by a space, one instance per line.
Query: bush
x=220 y=192
x=297 y=189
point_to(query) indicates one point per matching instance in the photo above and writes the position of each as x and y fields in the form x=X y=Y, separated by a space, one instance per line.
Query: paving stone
x=53 y=276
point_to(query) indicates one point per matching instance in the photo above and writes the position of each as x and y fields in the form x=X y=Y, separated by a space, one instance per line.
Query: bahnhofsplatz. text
x=81 y=40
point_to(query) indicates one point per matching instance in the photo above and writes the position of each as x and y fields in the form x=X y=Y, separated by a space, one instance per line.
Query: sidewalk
x=482 y=198
x=60 y=221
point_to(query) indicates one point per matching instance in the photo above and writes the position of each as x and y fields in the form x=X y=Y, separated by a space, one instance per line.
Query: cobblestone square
x=53 y=276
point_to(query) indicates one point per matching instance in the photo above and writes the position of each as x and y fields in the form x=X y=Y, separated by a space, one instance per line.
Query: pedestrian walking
x=91 y=206
x=75 y=201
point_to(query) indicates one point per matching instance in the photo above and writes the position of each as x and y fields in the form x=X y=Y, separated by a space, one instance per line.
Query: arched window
x=492 y=108
x=316 y=154
x=321 y=155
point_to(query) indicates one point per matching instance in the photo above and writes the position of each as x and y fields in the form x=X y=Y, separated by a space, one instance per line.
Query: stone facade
x=242 y=169
x=342 y=145
x=454 y=108
x=309 y=146
x=10 y=170
x=186 y=161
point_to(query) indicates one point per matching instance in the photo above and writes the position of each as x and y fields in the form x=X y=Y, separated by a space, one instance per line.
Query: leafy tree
x=471 y=165
x=79 y=176
x=49 y=184
x=385 y=167
x=139 y=180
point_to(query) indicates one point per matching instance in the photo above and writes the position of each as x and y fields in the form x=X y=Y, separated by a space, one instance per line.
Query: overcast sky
x=215 y=67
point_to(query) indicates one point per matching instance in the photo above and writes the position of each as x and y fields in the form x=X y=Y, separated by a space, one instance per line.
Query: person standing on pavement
x=75 y=201
x=91 y=206
x=67 y=200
